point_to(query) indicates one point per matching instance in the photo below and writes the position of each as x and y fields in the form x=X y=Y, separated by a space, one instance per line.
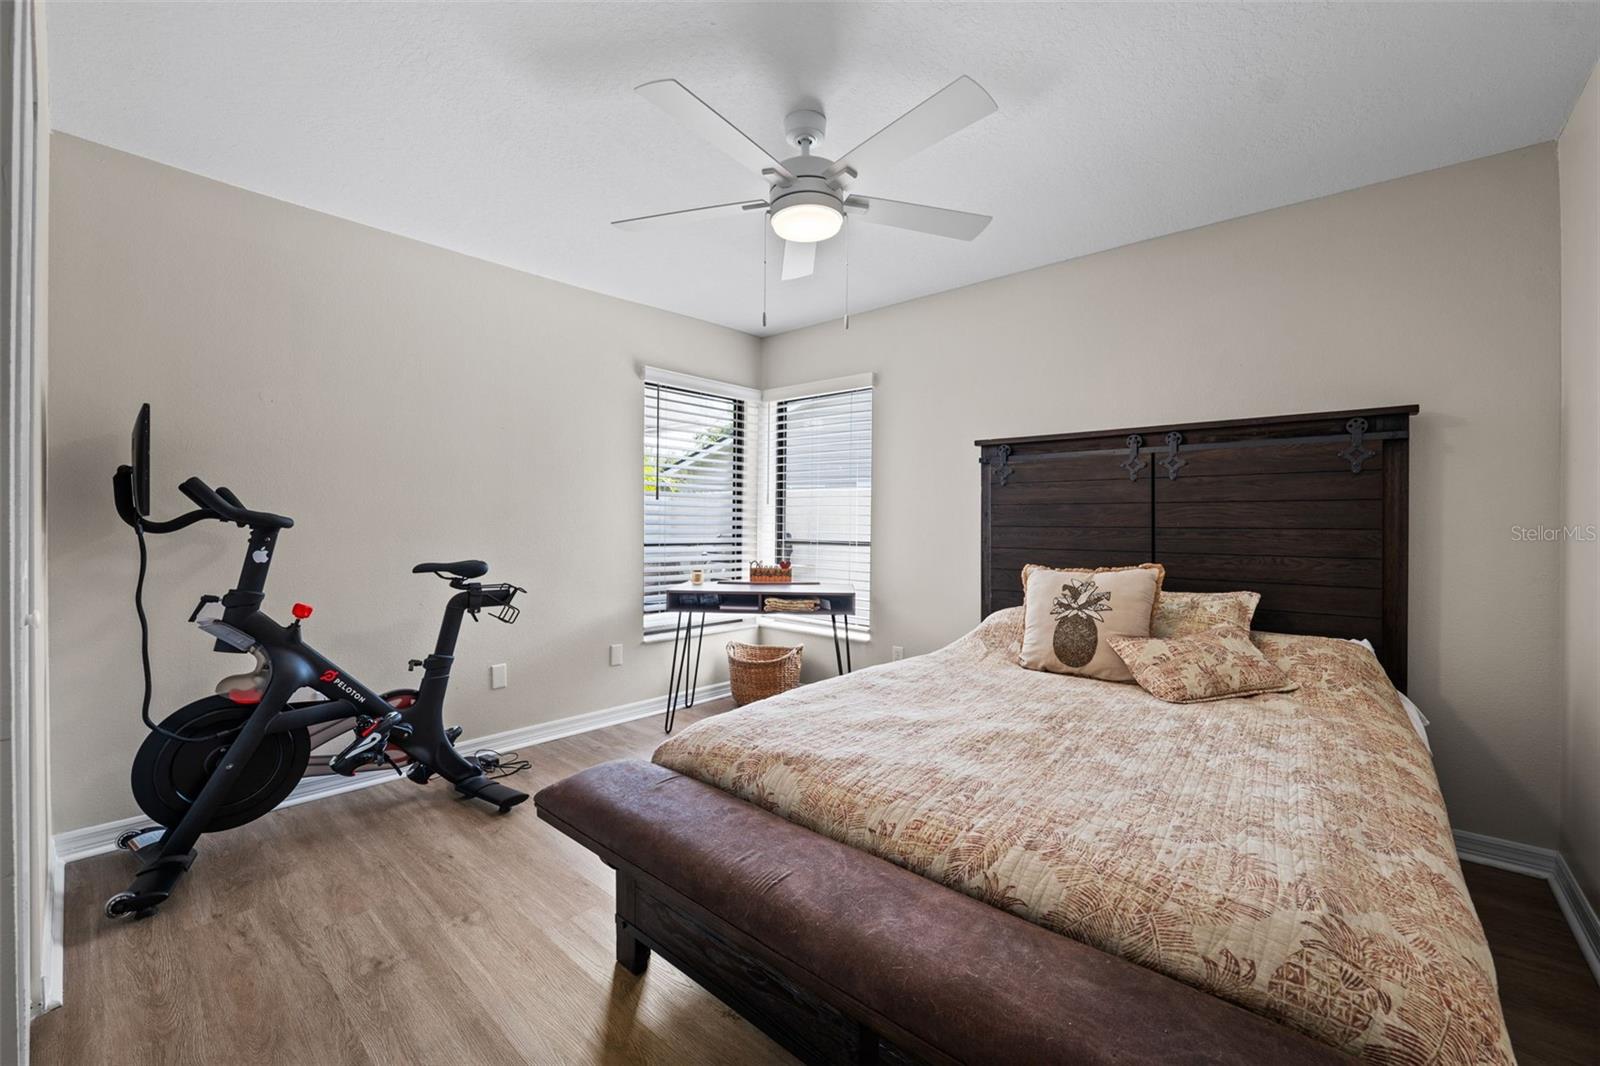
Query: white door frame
x=20 y=461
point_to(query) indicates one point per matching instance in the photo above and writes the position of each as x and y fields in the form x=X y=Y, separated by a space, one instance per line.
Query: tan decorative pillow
x=1216 y=664
x=1068 y=615
x=1180 y=614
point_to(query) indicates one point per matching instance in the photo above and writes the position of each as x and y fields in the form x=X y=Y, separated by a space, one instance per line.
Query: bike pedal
x=453 y=734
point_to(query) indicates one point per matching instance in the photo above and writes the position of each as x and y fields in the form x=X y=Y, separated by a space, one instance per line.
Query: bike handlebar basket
x=756 y=671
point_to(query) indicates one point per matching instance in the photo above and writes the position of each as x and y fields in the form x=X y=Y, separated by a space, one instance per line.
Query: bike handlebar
x=226 y=506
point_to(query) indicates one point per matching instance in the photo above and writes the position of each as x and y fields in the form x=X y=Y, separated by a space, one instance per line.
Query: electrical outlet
x=497 y=675
x=616 y=655
x=897 y=653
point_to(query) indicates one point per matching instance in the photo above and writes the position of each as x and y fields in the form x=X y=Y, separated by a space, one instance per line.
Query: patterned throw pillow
x=1181 y=614
x=1216 y=664
x=1068 y=615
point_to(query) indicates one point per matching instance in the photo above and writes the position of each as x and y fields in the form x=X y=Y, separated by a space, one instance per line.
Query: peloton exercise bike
x=229 y=758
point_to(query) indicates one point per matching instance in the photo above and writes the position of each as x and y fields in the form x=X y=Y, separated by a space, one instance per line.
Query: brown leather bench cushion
x=970 y=980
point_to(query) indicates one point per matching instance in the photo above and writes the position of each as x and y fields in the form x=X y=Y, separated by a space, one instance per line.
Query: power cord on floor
x=500 y=763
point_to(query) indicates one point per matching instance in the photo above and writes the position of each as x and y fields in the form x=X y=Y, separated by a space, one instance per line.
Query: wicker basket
x=756 y=671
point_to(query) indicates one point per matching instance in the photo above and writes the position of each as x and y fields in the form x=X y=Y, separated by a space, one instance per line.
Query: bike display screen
x=141 y=461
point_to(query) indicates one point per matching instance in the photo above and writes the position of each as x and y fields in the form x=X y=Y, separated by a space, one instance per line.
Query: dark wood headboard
x=1308 y=510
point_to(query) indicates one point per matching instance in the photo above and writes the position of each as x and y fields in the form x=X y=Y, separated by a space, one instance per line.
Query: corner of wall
x=1578 y=177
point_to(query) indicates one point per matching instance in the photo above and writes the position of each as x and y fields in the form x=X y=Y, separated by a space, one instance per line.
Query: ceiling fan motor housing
x=808 y=186
x=805 y=128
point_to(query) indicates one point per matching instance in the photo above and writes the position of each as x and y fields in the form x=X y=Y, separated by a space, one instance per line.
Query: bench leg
x=632 y=954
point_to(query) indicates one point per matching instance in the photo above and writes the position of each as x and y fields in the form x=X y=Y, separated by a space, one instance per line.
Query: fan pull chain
x=764 y=271
x=847 y=274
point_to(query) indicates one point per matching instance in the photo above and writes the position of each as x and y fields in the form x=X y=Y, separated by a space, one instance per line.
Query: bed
x=953 y=859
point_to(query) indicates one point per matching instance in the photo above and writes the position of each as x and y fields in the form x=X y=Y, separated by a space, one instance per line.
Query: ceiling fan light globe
x=807 y=223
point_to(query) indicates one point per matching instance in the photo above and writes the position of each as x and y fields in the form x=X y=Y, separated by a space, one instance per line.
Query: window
x=732 y=476
x=695 y=489
x=822 y=489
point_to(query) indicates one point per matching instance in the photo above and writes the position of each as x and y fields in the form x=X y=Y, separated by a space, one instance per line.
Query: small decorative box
x=767 y=574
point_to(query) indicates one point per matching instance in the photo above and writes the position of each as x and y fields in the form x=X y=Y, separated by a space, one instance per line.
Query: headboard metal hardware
x=1172 y=464
x=1133 y=464
x=1357 y=453
x=1005 y=463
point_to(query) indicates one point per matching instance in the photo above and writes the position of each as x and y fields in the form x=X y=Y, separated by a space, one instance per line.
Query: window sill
x=811 y=629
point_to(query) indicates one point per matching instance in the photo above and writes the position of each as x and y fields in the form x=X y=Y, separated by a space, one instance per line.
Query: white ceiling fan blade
x=956 y=106
x=670 y=96
x=799 y=259
x=939 y=221
x=693 y=214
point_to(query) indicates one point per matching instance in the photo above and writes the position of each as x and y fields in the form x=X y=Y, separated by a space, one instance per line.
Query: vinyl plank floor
x=394 y=925
x=398 y=925
x=1548 y=994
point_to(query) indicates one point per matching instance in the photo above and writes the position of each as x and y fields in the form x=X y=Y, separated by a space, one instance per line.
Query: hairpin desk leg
x=672 y=678
x=694 y=682
x=848 y=668
x=683 y=682
x=838 y=660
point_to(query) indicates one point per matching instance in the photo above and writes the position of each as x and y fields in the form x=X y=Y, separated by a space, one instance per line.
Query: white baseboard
x=1579 y=911
x=1506 y=854
x=1550 y=865
x=52 y=950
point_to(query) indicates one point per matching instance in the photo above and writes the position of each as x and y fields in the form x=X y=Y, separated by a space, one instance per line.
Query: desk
x=836 y=601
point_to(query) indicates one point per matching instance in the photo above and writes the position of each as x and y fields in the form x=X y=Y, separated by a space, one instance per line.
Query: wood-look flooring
x=397 y=925
x=1548 y=993
x=394 y=925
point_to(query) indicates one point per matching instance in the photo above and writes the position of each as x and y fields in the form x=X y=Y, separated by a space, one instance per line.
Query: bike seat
x=463 y=568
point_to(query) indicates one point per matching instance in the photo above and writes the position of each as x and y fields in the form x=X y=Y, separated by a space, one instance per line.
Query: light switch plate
x=497 y=675
x=616 y=655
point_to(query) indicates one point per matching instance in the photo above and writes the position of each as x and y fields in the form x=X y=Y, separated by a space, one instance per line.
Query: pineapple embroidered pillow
x=1068 y=614
x=1216 y=664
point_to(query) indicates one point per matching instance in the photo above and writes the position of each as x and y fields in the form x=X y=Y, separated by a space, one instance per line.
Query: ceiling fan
x=808 y=194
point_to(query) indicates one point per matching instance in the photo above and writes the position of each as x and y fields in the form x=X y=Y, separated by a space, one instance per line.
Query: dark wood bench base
x=808 y=1028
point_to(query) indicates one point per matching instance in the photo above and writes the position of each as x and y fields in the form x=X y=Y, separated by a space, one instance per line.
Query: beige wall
x=432 y=385
x=401 y=402
x=1579 y=153
x=1440 y=289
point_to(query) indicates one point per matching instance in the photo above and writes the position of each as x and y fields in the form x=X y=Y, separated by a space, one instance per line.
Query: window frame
x=758 y=494
x=776 y=401
x=745 y=478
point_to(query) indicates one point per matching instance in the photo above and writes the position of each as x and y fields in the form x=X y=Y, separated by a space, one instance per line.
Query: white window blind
x=695 y=491
x=822 y=490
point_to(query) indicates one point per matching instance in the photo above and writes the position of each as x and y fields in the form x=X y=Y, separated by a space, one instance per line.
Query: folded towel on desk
x=773 y=603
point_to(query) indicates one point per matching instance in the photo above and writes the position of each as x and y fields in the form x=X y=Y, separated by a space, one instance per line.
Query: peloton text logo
x=332 y=677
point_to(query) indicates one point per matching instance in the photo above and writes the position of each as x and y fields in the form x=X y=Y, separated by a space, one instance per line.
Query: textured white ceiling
x=510 y=131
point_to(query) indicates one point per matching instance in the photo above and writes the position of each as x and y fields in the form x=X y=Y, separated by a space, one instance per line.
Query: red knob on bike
x=302 y=611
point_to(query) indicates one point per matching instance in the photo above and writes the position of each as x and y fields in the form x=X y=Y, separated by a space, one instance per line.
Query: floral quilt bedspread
x=1289 y=853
